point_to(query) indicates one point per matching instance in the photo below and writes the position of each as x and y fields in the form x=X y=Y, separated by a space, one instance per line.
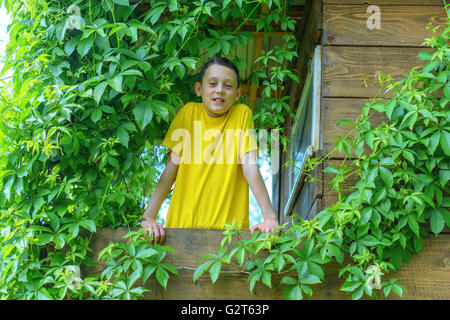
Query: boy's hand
x=154 y=228
x=269 y=225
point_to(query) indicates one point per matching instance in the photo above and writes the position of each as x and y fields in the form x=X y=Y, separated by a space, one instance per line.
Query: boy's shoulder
x=189 y=107
x=241 y=108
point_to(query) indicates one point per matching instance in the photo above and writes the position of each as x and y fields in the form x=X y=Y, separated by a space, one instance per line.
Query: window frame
x=311 y=89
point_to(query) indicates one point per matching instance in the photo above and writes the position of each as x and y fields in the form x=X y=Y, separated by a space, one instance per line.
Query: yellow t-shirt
x=210 y=187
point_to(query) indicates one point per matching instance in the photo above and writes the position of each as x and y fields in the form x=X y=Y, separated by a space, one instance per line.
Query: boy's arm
x=160 y=193
x=256 y=182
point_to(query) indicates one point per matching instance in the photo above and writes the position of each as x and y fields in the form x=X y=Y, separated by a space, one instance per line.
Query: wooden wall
x=352 y=51
x=426 y=277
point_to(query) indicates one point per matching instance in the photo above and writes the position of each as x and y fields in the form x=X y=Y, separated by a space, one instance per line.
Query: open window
x=305 y=132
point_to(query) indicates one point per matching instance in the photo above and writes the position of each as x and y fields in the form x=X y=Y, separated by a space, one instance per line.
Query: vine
x=89 y=89
x=403 y=170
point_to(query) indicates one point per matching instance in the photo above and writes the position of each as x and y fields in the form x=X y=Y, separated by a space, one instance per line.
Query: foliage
x=134 y=260
x=403 y=170
x=93 y=87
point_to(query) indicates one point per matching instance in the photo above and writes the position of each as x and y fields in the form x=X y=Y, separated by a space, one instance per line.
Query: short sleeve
x=248 y=141
x=176 y=135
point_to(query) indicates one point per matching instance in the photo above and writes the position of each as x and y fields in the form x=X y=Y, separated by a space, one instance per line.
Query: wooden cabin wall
x=426 y=277
x=352 y=51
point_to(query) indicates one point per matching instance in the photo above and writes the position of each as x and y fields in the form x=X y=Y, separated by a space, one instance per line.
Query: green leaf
x=70 y=45
x=267 y=278
x=436 y=220
x=43 y=239
x=173 y=5
x=123 y=2
x=397 y=289
x=349 y=286
x=343 y=122
x=99 y=90
x=116 y=83
x=425 y=55
x=89 y=225
x=84 y=46
x=309 y=279
x=96 y=115
x=170 y=268
x=445 y=142
x=293 y=293
x=214 y=271
x=7 y=187
x=390 y=106
x=386 y=176
x=434 y=142
x=143 y=114
x=201 y=269
x=413 y=225
x=123 y=136
x=288 y=280
x=162 y=276
x=148 y=271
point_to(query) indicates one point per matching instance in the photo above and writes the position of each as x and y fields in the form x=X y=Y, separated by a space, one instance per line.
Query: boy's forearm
x=161 y=190
x=256 y=183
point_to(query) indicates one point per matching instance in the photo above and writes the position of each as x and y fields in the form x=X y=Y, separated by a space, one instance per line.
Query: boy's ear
x=238 y=93
x=198 y=89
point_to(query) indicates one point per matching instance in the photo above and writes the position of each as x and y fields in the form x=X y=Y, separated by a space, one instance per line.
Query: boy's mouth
x=218 y=100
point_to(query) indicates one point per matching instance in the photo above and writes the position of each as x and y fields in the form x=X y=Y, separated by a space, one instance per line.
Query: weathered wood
x=344 y=68
x=387 y=2
x=399 y=25
x=311 y=31
x=426 y=277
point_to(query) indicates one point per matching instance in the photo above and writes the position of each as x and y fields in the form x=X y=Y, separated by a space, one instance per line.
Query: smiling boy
x=208 y=191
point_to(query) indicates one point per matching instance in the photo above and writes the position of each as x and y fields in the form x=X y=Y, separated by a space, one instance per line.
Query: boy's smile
x=218 y=90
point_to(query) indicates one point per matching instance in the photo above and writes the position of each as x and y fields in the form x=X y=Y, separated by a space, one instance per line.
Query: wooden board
x=387 y=2
x=399 y=25
x=344 y=68
x=426 y=277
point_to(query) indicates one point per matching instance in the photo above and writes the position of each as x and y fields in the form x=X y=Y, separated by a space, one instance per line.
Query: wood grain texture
x=426 y=277
x=386 y=2
x=399 y=25
x=344 y=69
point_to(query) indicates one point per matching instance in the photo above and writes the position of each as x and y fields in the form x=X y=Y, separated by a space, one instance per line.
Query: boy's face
x=218 y=90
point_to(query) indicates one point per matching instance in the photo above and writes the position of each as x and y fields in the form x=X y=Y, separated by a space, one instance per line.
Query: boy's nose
x=219 y=88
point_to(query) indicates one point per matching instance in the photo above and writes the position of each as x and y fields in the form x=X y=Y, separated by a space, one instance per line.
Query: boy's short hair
x=223 y=62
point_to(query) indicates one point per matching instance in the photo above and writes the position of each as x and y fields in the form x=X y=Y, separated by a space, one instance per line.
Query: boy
x=210 y=190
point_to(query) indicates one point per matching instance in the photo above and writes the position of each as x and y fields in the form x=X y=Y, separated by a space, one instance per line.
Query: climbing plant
x=402 y=172
x=88 y=91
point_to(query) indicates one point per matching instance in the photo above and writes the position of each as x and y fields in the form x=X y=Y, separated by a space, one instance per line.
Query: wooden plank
x=399 y=25
x=386 y=2
x=344 y=68
x=310 y=32
x=336 y=109
x=426 y=277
